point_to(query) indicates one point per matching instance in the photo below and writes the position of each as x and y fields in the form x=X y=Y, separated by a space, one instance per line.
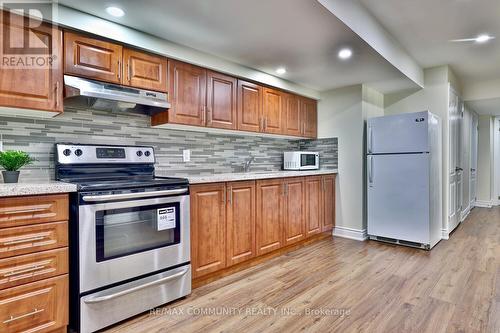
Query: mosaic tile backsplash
x=210 y=153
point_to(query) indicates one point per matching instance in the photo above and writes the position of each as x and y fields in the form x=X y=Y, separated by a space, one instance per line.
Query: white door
x=473 y=159
x=398 y=196
x=455 y=168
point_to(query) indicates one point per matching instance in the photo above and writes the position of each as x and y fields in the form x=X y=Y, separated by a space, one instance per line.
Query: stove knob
x=67 y=152
x=139 y=153
x=147 y=153
x=78 y=152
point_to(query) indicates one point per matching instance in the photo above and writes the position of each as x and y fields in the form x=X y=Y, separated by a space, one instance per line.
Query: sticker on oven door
x=166 y=218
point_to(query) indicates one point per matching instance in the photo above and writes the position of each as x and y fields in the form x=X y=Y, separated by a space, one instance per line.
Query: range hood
x=101 y=95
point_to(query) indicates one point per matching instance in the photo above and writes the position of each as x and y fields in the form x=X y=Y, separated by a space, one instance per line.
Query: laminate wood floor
x=340 y=285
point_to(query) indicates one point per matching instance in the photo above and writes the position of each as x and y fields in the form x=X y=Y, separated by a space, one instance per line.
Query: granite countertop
x=229 y=177
x=42 y=187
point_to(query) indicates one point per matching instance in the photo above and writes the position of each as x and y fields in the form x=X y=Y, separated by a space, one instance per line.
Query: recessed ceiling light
x=345 y=53
x=483 y=38
x=115 y=11
x=281 y=70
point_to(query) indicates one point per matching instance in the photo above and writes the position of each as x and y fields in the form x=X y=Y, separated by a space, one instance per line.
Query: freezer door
x=398 y=196
x=402 y=133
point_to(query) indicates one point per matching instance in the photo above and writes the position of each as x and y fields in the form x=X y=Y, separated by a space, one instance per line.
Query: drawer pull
x=24 y=240
x=20 y=210
x=12 y=318
x=25 y=270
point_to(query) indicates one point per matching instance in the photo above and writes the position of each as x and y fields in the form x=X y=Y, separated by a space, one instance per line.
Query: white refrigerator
x=404 y=172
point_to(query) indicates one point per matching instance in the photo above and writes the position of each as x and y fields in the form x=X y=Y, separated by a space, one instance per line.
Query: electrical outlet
x=186 y=155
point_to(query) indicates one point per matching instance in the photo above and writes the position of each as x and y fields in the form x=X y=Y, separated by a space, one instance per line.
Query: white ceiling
x=301 y=35
x=489 y=106
x=425 y=27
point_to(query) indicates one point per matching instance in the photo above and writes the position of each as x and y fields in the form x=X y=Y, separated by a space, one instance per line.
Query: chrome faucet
x=246 y=165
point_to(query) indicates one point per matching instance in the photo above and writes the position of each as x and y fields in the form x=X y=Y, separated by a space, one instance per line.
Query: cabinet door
x=240 y=222
x=208 y=228
x=292 y=115
x=221 y=101
x=31 y=87
x=188 y=93
x=92 y=58
x=272 y=111
x=143 y=70
x=294 y=220
x=269 y=228
x=328 y=202
x=309 y=118
x=249 y=106
x=314 y=204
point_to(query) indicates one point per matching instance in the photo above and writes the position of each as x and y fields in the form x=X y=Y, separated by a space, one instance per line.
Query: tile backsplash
x=210 y=153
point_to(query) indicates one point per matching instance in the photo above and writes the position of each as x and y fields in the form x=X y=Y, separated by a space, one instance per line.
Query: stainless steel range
x=129 y=233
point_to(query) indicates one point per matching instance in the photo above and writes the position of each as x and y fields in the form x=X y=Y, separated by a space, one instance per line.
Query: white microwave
x=300 y=160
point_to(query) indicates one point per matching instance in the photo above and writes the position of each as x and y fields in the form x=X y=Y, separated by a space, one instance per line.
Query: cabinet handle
x=24 y=270
x=119 y=70
x=286 y=190
x=203 y=116
x=261 y=124
x=19 y=210
x=24 y=240
x=12 y=318
x=224 y=197
x=231 y=196
x=323 y=183
x=209 y=115
x=265 y=123
x=56 y=93
x=129 y=73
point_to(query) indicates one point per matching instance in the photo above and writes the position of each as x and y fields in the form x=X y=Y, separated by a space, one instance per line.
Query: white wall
x=342 y=113
x=484 y=160
x=434 y=98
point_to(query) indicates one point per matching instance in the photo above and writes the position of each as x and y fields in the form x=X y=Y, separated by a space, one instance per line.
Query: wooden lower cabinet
x=235 y=222
x=314 y=205
x=294 y=229
x=269 y=230
x=35 y=307
x=240 y=231
x=328 y=203
x=208 y=228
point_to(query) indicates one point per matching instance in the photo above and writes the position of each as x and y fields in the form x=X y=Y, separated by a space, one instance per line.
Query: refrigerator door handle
x=370 y=171
x=370 y=139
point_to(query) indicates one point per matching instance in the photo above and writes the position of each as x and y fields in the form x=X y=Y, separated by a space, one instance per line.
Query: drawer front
x=35 y=238
x=36 y=307
x=16 y=211
x=32 y=267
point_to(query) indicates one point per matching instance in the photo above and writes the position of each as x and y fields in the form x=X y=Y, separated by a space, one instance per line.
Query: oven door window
x=307 y=160
x=125 y=231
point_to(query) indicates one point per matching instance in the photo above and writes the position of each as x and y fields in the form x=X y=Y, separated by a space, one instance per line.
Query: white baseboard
x=465 y=213
x=484 y=204
x=445 y=234
x=356 y=234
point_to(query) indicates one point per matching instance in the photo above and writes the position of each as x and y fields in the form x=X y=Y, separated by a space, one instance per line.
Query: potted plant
x=12 y=161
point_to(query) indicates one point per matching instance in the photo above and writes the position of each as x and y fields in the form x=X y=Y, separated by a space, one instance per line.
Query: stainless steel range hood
x=101 y=95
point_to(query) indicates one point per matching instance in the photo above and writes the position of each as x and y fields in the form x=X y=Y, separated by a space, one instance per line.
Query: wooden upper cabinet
x=272 y=111
x=31 y=87
x=144 y=70
x=249 y=106
x=208 y=228
x=187 y=91
x=294 y=217
x=240 y=222
x=314 y=204
x=221 y=100
x=309 y=117
x=328 y=202
x=291 y=115
x=269 y=226
x=92 y=58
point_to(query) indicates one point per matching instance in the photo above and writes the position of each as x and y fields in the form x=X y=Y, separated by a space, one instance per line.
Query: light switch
x=186 y=155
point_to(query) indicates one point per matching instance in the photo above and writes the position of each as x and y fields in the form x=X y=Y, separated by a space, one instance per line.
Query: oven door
x=127 y=239
x=309 y=161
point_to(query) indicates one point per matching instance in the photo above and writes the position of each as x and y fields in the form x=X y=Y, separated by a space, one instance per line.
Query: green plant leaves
x=13 y=160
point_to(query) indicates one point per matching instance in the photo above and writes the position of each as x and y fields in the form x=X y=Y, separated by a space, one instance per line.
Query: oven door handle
x=139 y=195
x=163 y=280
